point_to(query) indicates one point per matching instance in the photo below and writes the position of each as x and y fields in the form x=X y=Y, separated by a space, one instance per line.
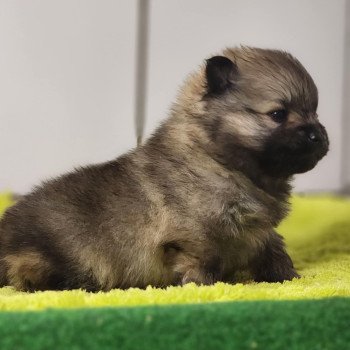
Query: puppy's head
x=263 y=103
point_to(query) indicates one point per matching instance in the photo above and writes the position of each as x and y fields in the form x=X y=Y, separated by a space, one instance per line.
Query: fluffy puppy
x=198 y=202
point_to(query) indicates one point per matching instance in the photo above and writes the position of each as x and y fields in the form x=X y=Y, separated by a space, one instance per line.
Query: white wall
x=67 y=73
x=185 y=32
x=66 y=86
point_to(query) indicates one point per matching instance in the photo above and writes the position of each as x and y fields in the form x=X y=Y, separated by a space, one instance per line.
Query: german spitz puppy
x=197 y=202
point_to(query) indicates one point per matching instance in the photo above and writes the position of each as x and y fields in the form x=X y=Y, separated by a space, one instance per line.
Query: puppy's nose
x=313 y=137
x=312 y=133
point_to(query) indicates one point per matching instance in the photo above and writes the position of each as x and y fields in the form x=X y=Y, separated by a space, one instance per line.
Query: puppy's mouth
x=294 y=151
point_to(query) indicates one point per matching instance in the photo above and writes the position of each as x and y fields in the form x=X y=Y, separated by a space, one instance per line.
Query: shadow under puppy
x=198 y=202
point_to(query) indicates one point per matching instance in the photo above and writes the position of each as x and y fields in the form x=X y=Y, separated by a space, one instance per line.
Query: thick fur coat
x=198 y=202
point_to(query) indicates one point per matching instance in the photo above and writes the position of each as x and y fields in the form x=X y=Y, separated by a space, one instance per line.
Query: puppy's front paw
x=273 y=264
x=278 y=274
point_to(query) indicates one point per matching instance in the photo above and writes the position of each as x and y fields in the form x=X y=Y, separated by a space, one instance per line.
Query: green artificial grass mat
x=317 y=234
x=294 y=325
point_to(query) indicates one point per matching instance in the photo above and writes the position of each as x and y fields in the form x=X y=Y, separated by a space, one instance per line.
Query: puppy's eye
x=279 y=116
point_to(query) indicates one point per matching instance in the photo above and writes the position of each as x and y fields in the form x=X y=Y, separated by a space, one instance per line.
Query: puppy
x=198 y=202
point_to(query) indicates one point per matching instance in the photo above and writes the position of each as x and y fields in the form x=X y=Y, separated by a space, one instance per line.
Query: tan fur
x=190 y=96
x=294 y=120
x=26 y=269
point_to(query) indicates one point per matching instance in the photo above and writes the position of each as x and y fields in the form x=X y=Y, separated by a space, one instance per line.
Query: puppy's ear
x=221 y=74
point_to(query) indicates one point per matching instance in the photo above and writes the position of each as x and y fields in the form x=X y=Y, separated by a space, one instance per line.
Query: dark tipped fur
x=198 y=202
x=273 y=264
x=221 y=74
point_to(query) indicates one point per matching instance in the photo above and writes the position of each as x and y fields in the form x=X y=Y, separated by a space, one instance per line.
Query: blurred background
x=70 y=71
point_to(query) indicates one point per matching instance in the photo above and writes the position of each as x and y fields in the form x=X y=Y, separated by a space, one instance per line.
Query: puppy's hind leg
x=27 y=270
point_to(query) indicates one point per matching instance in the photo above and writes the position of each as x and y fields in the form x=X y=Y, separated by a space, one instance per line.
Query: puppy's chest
x=242 y=219
x=240 y=231
x=234 y=206
x=240 y=216
x=236 y=213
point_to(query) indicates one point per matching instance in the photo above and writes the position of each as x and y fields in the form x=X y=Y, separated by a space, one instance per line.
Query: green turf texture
x=310 y=325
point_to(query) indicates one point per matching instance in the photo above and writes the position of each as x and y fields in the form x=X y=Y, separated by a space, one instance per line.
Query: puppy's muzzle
x=315 y=137
x=295 y=150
